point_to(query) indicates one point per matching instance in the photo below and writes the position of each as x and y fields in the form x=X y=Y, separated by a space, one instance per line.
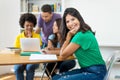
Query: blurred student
x=45 y=23
x=79 y=39
x=54 y=48
x=28 y=22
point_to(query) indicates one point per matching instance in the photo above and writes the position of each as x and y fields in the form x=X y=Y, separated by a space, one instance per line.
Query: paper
x=43 y=57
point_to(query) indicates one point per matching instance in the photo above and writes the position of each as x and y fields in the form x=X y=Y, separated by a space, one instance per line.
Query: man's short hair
x=46 y=8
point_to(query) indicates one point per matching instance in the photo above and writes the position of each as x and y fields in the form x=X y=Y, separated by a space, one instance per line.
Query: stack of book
x=56 y=7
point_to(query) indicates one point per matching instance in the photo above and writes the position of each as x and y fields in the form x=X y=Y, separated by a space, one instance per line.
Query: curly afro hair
x=27 y=17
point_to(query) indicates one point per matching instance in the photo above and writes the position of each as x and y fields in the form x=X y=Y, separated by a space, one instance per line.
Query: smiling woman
x=79 y=39
x=27 y=21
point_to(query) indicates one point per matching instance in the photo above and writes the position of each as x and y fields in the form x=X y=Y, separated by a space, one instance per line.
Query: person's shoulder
x=39 y=17
x=56 y=14
x=89 y=32
x=20 y=35
x=35 y=34
x=83 y=34
x=52 y=36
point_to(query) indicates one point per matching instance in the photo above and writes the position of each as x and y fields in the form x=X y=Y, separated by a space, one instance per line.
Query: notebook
x=29 y=46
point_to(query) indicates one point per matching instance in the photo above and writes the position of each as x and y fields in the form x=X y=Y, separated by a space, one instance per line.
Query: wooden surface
x=11 y=76
x=11 y=59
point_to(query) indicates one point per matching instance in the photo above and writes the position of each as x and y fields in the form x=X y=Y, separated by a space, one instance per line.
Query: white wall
x=9 y=28
x=106 y=52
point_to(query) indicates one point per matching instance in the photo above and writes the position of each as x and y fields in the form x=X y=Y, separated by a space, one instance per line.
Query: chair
x=109 y=64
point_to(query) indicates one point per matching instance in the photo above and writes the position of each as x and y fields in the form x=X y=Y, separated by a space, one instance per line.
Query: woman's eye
x=73 y=19
x=67 y=21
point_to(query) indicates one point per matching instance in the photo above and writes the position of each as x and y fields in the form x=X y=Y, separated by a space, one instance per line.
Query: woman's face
x=55 y=27
x=72 y=22
x=28 y=26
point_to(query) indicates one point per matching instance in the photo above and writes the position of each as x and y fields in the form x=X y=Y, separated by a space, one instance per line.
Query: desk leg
x=49 y=74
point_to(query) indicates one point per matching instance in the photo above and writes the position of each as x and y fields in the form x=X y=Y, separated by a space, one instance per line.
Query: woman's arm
x=51 y=51
x=68 y=48
x=38 y=30
x=50 y=45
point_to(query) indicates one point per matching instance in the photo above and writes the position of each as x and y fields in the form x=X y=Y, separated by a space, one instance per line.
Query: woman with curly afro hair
x=28 y=22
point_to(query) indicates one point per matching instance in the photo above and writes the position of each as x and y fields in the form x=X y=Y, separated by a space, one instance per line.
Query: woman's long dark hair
x=55 y=40
x=64 y=30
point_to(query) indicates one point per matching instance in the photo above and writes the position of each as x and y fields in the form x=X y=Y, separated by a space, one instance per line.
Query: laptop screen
x=30 y=44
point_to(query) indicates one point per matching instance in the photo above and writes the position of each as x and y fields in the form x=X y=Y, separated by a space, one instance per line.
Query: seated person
x=79 y=39
x=28 y=22
x=54 y=48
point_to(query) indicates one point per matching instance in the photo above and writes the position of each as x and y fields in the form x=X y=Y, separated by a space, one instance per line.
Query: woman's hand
x=29 y=34
x=74 y=30
x=49 y=47
x=44 y=50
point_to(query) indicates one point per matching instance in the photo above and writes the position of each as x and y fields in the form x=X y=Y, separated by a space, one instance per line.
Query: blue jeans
x=63 y=66
x=96 y=72
x=30 y=69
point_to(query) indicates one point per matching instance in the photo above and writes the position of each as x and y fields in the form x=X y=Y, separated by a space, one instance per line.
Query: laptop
x=30 y=46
